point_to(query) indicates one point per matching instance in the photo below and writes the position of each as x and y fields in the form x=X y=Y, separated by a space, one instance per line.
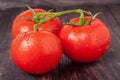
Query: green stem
x=35 y=27
x=56 y=14
x=96 y=15
x=81 y=22
x=65 y=12
x=32 y=11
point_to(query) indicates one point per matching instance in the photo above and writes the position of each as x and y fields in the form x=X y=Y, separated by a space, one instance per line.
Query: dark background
x=55 y=3
x=106 y=68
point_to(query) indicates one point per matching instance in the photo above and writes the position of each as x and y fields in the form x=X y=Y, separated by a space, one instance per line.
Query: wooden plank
x=107 y=68
x=81 y=2
x=115 y=11
x=54 y=3
x=22 y=4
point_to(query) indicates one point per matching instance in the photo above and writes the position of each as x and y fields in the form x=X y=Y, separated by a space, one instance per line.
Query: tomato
x=85 y=43
x=22 y=25
x=36 y=52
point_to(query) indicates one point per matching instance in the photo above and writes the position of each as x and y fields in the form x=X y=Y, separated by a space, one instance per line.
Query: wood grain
x=54 y=3
x=106 y=68
x=81 y=2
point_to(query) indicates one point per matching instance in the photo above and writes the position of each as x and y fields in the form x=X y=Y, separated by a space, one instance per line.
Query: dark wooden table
x=106 y=68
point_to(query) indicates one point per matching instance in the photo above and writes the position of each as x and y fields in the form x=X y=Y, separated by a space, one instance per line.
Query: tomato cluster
x=40 y=51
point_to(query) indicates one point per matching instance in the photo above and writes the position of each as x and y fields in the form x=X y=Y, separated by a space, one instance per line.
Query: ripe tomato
x=36 y=52
x=22 y=25
x=85 y=43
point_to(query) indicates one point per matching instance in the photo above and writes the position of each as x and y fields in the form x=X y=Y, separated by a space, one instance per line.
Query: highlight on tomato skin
x=22 y=24
x=36 y=52
x=85 y=43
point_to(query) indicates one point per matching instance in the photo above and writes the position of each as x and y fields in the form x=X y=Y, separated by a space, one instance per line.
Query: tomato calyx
x=82 y=22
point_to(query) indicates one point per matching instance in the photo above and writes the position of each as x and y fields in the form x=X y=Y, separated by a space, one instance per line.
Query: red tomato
x=22 y=25
x=85 y=43
x=36 y=52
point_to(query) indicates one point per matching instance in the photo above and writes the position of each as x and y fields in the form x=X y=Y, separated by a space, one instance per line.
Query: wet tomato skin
x=36 y=52
x=22 y=25
x=85 y=43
